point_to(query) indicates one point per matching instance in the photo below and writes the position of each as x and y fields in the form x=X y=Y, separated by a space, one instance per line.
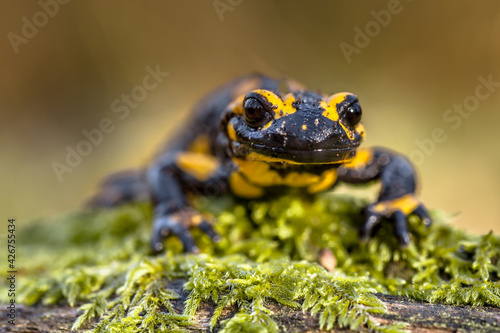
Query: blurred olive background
x=64 y=79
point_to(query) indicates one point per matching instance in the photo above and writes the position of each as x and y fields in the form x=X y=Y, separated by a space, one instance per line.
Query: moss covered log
x=265 y=266
x=420 y=317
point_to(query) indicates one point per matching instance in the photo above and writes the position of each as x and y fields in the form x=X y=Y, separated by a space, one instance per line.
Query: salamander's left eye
x=256 y=115
x=353 y=114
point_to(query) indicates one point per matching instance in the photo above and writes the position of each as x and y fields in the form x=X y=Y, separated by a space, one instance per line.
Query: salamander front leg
x=178 y=223
x=397 y=211
x=171 y=178
x=397 y=199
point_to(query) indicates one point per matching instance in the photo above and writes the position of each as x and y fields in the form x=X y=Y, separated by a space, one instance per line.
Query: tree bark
x=421 y=317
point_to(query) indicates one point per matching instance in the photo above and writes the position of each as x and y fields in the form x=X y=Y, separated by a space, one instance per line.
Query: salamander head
x=298 y=128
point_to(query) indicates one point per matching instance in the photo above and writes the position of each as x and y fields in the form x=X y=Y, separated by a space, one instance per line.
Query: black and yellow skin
x=257 y=137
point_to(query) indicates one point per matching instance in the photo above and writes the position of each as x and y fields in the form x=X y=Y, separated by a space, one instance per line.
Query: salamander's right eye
x=353 y=114
x=256 y=115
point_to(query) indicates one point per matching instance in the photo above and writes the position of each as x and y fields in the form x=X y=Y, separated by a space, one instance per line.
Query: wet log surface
x=421 y=317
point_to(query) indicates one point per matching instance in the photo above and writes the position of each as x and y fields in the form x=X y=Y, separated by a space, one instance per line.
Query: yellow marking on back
x=246 y=85
x=261 y=174
x=240 y=187
x=200 y=166
x=236 y=105
x=328 y=179
x=253 y=156
x=300 y=179
x=304 y=127
x=258 y=172
x=231 y=132
x=200 y=145
x=406 y=204
x=294 y=85
x=260 y=157
x=362 y=158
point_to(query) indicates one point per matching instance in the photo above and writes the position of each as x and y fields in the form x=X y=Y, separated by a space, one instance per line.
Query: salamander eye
x=256 y=115
x=353 y=114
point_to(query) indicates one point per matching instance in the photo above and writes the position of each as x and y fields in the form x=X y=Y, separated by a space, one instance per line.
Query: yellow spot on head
x=286 y=108
x=266 y=126
x=337 y=98
x=330 y=112
x=330 y=105
x=271 y=97
x=281 y=107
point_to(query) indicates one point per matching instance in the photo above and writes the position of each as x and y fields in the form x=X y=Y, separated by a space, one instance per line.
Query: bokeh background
x=63 y=80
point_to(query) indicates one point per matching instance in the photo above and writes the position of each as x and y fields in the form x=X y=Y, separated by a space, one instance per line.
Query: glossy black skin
x=168 y=184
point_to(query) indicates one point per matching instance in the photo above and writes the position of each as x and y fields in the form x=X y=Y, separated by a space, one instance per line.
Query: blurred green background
x=64 y=77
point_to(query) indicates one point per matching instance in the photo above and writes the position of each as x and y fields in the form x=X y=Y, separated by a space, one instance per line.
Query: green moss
x=268 y=252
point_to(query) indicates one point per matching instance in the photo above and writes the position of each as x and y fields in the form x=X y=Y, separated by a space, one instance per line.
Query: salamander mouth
x=298 y=156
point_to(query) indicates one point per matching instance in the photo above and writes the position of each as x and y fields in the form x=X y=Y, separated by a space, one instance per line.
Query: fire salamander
x=256 y=137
